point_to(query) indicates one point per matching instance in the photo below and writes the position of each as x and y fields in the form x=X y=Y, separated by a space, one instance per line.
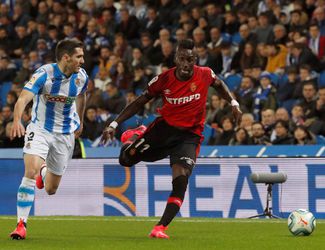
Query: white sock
x=25 y=198
x=43 y=173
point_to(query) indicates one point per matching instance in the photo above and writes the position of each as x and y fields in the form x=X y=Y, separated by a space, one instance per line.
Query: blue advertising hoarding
x=217 y=188
x=206 y=151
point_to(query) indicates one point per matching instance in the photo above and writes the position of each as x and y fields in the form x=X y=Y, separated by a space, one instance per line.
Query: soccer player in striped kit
x=178 y=131
x=58 y=92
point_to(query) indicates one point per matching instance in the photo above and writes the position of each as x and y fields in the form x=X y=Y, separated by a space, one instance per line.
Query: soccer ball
x=301 y=222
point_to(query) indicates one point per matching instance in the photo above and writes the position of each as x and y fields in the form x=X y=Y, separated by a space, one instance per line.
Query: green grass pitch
x=132 y=233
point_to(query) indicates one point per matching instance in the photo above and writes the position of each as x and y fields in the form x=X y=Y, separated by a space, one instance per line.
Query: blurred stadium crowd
x=270 y=53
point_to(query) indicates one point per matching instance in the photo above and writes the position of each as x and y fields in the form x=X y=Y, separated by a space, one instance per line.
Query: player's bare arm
x=81 y=108
x=224 y=92
x=132 y=109
x=17 y=127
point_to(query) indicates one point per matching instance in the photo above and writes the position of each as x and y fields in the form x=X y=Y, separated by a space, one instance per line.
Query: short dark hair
x=227 y=117
x=249 y=77
x=52 y=27
x=146 y=34
x=299 y=46
x=185 y=44
x=91 y=107
x=201 y=45
x=67 y=46
x=7 y=106
x=257 y=65
x=68 y=24
x=259 y=123
x=306 y=67
x=309 y=135
x=283 y=123
x=264 y=14
x=112 y=84
x=297 y=105
x=295 y=12
x=311 y=83
x=313 y=24
x=291 y=70
x=225 y=45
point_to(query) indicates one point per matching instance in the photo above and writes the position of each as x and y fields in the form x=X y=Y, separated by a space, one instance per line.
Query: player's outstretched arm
x=224 y=92
x=129 y=111
x=17 y=127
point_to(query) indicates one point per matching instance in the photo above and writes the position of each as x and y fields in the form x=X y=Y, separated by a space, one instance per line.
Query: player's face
x=75 y=61
x=184 y=60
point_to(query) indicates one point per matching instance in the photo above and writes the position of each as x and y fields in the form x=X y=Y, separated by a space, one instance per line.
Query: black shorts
x=161 y=140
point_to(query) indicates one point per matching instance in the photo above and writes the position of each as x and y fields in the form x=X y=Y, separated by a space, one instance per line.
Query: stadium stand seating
x=320 y=139
x=235 y=38
x=233 y=81
x=147 y=119
x=5 y=87
x=321 y=79
x=208 y=133
x=133 y=122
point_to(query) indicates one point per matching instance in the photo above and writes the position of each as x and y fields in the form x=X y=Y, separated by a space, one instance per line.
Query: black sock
x=175 y=200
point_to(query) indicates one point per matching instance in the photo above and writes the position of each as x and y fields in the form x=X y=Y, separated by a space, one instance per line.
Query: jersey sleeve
x=211 y=76
x=37 y=81
x=86 y=79
x=154 y=86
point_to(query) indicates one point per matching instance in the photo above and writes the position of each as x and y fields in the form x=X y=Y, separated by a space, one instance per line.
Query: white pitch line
x=178 y=220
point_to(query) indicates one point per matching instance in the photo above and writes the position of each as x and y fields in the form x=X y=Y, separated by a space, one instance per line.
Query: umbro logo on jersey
x=167 y=91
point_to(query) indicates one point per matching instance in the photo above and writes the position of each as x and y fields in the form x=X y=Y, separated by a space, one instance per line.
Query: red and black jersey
x=184 y=103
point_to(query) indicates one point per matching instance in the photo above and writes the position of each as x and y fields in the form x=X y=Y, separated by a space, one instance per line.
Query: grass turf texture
x=132 y=233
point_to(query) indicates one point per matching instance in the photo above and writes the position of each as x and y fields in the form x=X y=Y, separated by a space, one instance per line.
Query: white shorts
x=56 y=149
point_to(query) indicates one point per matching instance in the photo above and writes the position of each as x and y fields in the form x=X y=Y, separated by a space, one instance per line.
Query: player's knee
x=125 y=161
x=31 y=173
x=50 y=190
x=185 y=166
x=182 y=169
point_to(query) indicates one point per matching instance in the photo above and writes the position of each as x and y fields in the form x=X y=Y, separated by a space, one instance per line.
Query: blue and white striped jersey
x=54 y=106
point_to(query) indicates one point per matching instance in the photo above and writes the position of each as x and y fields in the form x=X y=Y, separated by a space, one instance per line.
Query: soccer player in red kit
x=178 y=131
